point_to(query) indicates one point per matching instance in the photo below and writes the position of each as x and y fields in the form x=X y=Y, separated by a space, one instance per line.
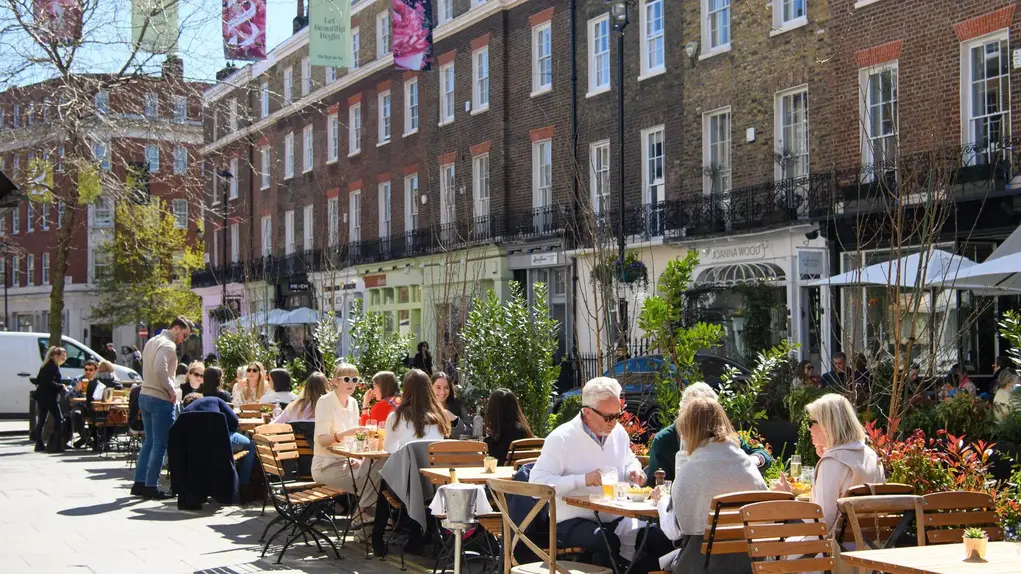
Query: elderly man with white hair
x=667 y=443
x=572 y=457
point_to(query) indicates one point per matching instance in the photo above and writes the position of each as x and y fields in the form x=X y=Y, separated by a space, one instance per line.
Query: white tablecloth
x=439 y=503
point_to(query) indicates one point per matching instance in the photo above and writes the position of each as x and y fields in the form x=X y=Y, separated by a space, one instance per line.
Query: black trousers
x=47 y=409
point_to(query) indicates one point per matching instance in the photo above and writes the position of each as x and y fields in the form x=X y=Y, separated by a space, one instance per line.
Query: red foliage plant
x=635 y=428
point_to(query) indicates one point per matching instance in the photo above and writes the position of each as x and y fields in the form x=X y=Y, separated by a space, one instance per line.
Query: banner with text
x=59 y=21
x=154 y=25
x=412 y=23
x=329 y=33
x=244 y=29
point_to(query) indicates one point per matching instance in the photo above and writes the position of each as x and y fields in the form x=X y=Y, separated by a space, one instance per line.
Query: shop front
x=548 y=264
x=242 y=299
x=395 y=292
x=339 y=291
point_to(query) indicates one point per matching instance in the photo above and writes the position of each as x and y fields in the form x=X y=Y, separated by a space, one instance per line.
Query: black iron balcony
x=536 y=222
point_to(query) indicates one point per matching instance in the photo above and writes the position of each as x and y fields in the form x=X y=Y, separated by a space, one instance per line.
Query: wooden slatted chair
x=880 y=529
x=769 y=525
x=285 y=432
x=724 y=530
x=879 y=489
x=300 y=505
x=523 y=448
x=948 y=514
x=254 y=410
x=523 y=461
x=514 y=533
x=880 y=521
x=457 y=453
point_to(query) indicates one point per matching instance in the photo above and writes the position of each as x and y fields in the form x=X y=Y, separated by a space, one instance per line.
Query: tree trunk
x=59 y=272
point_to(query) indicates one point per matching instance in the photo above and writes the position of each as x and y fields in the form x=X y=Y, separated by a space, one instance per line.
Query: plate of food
x=639 y=493
x=800 y=488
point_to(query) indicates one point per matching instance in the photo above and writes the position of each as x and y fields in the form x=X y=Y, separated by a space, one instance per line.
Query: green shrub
x=805 y=448
x=965 y=415
x=239 y=348
x=569 y=408
x=798 y=399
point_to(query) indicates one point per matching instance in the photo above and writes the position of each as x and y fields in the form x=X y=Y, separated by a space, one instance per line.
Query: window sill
x=542 y=90
x=444 y=123
x=714 y=52
x=332 y=161
x=788 y=26
x=597 y=91
x=306 y=170
x=648 y=75
x=263 y=188
x=411 y=133
x=482 y=110
x=864 y=3
x=287 y=177
x=382 y=143
x=354 y=153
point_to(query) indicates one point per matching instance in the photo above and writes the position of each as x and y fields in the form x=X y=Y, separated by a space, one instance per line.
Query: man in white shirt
x=570 y=462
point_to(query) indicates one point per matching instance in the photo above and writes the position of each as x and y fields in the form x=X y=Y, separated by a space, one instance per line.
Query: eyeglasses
x=352 y=380
x=607 y=417
x=812 y=422
x=253 y=370
x=197 y=374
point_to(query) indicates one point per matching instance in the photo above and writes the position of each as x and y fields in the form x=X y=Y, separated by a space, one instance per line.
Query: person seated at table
x=714 y=464
x=504 y=423
x=419 y=416
x=667 y=442
x=193 y=379
x=844 y=458
x=447 y=397
x=570 y=462
x=239 y=441
x=79 y=411
x=180 y=377
x=303 y=409
x=381 y=399
x=336 y=418
x=253 y=387
x=211 y=379
x=281 y=395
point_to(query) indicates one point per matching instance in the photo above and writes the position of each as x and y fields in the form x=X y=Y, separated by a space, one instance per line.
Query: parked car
x=637 y=376
x=21 y=355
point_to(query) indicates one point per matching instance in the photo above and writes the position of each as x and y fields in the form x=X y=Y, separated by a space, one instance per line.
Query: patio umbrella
x=275 y=317
x=916 y=271
x=998 y=276
x=301 y=316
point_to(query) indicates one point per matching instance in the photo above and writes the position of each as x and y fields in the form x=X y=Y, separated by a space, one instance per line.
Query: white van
x=21 y=355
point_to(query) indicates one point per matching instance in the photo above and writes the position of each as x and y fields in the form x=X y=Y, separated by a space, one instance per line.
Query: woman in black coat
x=423 y=360
x=47 y=398
x=504 y=424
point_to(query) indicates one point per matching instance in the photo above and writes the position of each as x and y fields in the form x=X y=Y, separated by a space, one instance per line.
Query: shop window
x=402 y=295
x=374 y=297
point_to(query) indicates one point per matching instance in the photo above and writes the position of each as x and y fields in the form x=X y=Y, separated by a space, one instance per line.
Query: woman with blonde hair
x=253 y=387
x=714 y=464
x=844 y=458
x=47 y=397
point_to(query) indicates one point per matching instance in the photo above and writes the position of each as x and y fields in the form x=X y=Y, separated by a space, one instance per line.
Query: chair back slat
x=515 y=532
x=457 y=453
x=524 y=448
x=273 y=429
x=770 y=530
x=947 y=514
x=523 y=461
x=879 y=488
x=776 y=530
x=787 y=548
x=794 y=566
x=725 y=525
x=259 y=408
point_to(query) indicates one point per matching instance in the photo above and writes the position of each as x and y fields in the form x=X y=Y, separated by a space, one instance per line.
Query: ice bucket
x=460 y=502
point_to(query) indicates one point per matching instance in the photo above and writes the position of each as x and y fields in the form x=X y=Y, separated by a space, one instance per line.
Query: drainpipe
x=571 y=9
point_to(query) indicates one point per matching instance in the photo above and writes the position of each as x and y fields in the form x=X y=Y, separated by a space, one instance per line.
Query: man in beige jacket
x=157 y=402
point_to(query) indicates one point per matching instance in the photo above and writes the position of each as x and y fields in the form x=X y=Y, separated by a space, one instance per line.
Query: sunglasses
x=607 y=417
x=350 y=380
x=812 y=422
x=253 y=370
x=89 y=370
x=198 y=374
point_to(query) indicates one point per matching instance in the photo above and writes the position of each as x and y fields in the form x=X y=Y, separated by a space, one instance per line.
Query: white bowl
x=634 y=497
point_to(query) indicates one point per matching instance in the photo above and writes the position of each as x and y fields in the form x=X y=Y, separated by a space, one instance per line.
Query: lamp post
x=619 y=20
x=227 y=176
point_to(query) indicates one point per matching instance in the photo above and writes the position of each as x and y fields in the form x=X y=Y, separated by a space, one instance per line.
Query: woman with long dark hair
x=281 y=393
x=443 y=390
x=423 y=360
x=418 y=416
x=47 y=398
x=804 y=376
x=504 y=423
x=211 y=379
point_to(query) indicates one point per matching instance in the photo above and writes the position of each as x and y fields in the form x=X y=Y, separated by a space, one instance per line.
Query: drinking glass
x=610 y=478
x=668 y=486
x=795 y=467
x=807 y=475
x=381 y=433
x=372 y=424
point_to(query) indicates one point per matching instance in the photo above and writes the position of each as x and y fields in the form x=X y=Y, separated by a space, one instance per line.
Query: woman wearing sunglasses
x=253 y=387
x=336 y=419
x=193 y=378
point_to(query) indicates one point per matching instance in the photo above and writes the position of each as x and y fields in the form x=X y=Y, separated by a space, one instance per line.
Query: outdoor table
x=371 y=458
x=245 y=425
x=641 y=510
x=1001 y=558
x=467 y=475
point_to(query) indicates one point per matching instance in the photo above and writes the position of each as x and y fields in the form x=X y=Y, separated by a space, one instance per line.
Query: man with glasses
x=79 y=412
x=573 y=459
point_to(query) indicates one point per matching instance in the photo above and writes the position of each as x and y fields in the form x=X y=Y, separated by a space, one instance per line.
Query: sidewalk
x=73 y=513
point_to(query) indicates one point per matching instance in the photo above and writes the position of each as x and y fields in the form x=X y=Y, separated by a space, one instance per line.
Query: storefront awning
x=738 y=273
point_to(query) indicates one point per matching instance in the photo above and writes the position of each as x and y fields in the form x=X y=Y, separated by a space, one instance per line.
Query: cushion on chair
x=572 y=567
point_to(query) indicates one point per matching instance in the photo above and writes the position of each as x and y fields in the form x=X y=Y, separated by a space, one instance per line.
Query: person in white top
x=336 y=419
x=845 y=460
x=419 y=416
x=281 y=391
x=571 y=459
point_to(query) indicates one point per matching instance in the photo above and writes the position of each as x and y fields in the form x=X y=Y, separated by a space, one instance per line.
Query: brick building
x=147 y=120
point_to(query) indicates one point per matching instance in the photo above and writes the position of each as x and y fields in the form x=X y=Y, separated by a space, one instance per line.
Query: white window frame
x=648 y=181
x=865 y=117
x=307 y=227
x=411 y=192
x=29 y=217
x=332 y=138
x=969 y=139
x=333 y=220
x=180 y=160
x=707 y=153
x=152 y=157
x=411 y=106
x=354 y=124
x=289 y=155
x=264 y=100
x=542 y=38
x=235 y=242
x=384 y=111
x=180 y=104
x=480 y=80
x=306 y=77
x=448 y=193
x=265 y=167
x=446 y=10
x=598 y=58
x=383 y=46
x=234 y=180
x=289 y=232
x=102 y=212
x=100 y=152
x=288 y=85
x=786 y=16
x=232 y=115
x=308 y=150
x=354 y=219
x=46 y=269
x=150 y=105
x=29 y=270
x=599 y=172
x=267 y=235
x=385 y=205
x=801 y=167
x=356 y=47
x=652 y=41
x=481 y=187
x=101 y=102
x=44 y=216
x=16 y=220
x=448 y=98
x=179 y=208
x=542 y=173
x=15 y=271
x=709 y=48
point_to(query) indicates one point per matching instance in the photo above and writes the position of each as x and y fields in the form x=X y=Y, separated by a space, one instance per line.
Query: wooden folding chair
x=273 y=430
x=769 y=525
x=841 y=532
x=457 y=453
x=879 y=489
x=523 y=448
x=523 y=461
x=881 y=521
x=513 y=532
x=948 y=514
x=300 y=505
x=724 y=531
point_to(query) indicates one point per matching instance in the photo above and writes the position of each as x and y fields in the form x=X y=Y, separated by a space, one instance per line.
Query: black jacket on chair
x=201 y=460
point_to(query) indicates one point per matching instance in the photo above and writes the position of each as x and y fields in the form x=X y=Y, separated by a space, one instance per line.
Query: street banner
x=154 y=26
x=329 y=33
x=59 y=21
x=412 y=25
x=244 y=29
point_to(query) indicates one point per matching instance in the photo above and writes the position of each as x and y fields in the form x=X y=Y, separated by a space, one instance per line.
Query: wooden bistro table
x=370 y=458
x=1001 y=558
x=641 y=510
x=249 y=424
x=468 y=475
x=93 y=416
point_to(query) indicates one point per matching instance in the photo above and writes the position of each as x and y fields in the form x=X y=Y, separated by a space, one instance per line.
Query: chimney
x=225 y=73
x=173 y=68
x=301 y=20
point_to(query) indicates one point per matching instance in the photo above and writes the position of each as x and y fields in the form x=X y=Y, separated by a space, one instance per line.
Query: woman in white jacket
x=713 y=464
x=844 y=458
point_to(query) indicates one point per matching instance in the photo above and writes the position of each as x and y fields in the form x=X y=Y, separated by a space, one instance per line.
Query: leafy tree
x=740 y=400
x=150 y=264
x=325 y=337
x=374 y=349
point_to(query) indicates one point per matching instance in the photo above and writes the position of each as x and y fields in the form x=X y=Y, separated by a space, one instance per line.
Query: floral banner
x=329 y=33
x=244 y=29
x=59 y=21
x=412 y=34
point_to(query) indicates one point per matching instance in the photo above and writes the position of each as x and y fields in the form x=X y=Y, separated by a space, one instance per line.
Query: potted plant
x=975 y=542
x=360 y=441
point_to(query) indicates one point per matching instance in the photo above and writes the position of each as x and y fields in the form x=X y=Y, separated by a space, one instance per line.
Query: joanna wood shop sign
x=739 y=252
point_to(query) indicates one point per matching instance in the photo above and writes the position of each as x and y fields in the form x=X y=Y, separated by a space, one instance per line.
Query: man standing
x=570 y=462
x=837 y=378
x=109 y=353
x=157 y=403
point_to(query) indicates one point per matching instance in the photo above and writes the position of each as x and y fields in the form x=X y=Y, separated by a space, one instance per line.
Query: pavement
x=73 y=513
